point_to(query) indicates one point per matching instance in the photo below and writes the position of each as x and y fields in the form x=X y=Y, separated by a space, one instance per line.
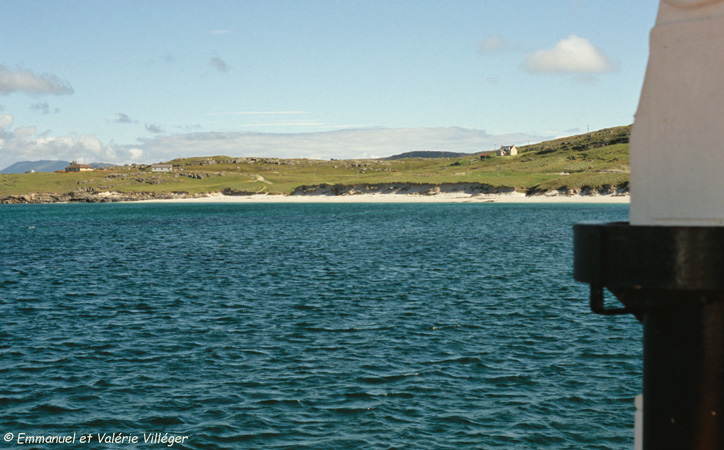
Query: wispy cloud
x=256 y=113
x=189 y=127
x=220 y=32
x=219 y=64
x=43 y=108
x=154 y=128
x=123 y=118
x=27 y=82
x=300 y=123
x=573 y=54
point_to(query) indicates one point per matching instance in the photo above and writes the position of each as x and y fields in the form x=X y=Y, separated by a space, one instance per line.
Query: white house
x=507 y=150
x=161 y=168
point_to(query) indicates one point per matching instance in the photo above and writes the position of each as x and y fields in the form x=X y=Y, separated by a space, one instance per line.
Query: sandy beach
x=402 y=198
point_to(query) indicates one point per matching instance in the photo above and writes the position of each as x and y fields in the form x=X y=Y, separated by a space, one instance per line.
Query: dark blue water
x=309 y=326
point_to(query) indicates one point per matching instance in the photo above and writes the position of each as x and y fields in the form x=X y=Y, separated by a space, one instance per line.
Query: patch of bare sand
x=401 y=198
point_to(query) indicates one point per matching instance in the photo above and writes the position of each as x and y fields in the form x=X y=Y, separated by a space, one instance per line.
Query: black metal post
x=672 y=280
x=684 y=373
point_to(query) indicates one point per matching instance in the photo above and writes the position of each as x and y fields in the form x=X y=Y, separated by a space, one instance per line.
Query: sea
x=308 y=326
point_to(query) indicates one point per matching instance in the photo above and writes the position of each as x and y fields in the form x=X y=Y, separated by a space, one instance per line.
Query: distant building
x=507 y=150
x=161 y=168
x=75 y=167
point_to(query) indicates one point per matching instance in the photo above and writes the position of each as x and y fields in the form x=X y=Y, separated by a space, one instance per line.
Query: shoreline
x=326 y=193
x=398 y=198
x=417 y=194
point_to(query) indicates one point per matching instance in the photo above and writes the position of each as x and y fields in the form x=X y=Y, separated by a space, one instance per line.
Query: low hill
x=37 y=166
x=591 y=162
x=426 y=154
x=45 y=166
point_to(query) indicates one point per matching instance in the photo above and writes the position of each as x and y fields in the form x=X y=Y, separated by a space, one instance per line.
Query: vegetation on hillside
x=597 y=160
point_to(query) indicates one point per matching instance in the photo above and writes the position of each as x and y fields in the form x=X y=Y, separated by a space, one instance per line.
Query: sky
x=147 y=81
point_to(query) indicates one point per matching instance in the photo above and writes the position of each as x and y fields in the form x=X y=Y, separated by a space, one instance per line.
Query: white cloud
x=341 y=144
x=27 y=82
x=219 y=32
x=5 y=120
x=573 y=54
x=91 y=144
x=135 y=154
x=25 y=132
x=26 y=144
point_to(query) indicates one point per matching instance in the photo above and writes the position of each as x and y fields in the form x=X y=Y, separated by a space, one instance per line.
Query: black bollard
x=672 y=280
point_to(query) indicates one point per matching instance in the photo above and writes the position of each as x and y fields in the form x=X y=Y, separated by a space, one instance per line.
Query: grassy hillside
x=594 y=160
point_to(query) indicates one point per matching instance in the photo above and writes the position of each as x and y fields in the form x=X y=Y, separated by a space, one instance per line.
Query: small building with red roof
x=75 y=167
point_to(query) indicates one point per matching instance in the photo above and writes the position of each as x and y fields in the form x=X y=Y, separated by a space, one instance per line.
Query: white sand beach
x=401 y=198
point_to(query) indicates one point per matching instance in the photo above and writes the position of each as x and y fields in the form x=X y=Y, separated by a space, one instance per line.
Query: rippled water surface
x=310 y=326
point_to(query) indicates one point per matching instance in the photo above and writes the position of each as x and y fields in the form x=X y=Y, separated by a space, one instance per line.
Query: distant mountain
x=102 y=165
x=44 y=166
x=427 y=154
x=38 y=166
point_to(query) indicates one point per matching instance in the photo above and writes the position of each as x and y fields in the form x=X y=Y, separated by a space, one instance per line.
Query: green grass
x=593 y=160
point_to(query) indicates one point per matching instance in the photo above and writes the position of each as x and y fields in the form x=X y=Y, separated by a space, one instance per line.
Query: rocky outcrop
x=454 y=188
x=238 y=192
x=92 y=196
x=402 y=188
x=613 y=190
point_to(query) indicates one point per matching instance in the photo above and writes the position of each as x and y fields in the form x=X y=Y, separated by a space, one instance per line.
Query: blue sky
x=148 y=81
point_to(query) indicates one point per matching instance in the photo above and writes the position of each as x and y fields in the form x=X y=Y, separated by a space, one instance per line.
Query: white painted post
x=677 y=143
x=639 y=423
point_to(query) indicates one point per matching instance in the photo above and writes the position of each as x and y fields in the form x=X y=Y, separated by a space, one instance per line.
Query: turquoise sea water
x=309 y=326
